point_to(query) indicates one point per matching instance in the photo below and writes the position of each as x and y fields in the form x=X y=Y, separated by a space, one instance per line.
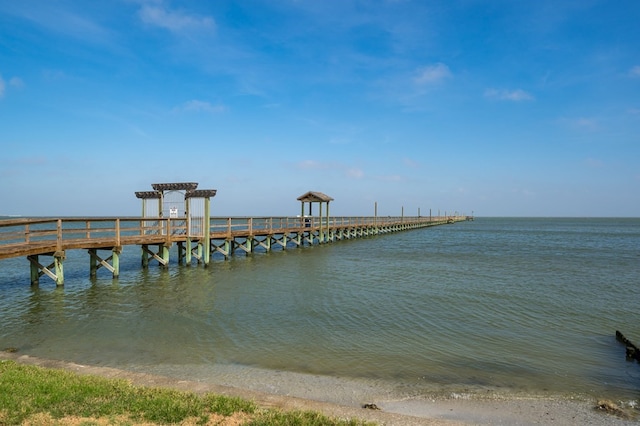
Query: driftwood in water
x=632 y=350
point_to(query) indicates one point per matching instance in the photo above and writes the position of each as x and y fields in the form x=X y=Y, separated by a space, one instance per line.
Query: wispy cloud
x=408 y=162
x=195 y=105
x=390 y=178
x=581 y=123
x=517 y=95
x=635 y=71
x=355 y=173
x=15 y=82
x=312 y=165
x=347 y=171
x=432 y=74
x=158 y=15
x=58 y=19
x=593 y=163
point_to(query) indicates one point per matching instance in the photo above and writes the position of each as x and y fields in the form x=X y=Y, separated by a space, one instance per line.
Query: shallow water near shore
x=508 y=305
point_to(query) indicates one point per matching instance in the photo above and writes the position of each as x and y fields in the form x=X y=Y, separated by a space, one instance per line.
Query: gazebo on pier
x=309 y=220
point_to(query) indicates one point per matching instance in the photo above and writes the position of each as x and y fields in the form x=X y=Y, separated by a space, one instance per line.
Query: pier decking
x=195 y=238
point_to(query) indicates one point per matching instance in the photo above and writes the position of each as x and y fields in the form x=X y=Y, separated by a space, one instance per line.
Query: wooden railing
x=56 y=233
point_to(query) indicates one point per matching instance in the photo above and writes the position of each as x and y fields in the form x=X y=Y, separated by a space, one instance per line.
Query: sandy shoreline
x=454 y=409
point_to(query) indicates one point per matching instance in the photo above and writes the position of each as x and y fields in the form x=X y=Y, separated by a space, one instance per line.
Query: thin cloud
x=593 y=163
x=585 y=123
x=391 y=178
x=581 y=123
x=411 y=163
x=201 y=106
x=174 y=21
x=432 y=74
x=54 y=18
x=355 y=173
x=311 y=165
x=517 y=95
x=16 y=82
x=635 y=71
x=53 y=75
x=349 y=172
x=13 y=82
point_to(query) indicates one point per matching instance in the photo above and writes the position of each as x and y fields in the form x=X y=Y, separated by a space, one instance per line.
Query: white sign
x=173 y=212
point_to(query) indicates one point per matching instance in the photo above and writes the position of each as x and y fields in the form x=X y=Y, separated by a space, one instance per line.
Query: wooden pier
x=104 y=237
x=179 y=213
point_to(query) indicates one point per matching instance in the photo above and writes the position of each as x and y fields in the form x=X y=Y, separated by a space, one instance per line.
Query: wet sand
x=452 y=409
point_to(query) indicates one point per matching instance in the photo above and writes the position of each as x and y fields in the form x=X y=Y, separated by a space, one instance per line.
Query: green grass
x=29 y=391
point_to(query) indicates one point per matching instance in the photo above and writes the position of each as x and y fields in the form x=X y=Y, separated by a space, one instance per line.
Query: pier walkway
x=195 y=238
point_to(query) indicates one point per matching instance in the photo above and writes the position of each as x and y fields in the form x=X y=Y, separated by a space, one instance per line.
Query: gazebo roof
x=201 y=193
x=314 y=197
x=179 y=186
x=145 y=195
x=189 y=189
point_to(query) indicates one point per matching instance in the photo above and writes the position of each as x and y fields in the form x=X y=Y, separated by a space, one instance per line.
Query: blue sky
x=500 y=108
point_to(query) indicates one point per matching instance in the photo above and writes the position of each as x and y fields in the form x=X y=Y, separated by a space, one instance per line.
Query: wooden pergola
x=320 y=198
x=176 y=199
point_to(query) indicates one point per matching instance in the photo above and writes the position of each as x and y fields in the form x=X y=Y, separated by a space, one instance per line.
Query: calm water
x=521 y=305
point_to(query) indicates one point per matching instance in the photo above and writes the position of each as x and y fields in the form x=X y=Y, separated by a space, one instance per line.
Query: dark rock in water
x=611 y=407
x=11 y=350
x=371 y=406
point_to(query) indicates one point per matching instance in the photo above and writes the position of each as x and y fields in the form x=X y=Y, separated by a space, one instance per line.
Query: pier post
x=35 y=271
x=375 y=214
x=97 y=262
x=321 y=226
x=93 y=263
x=115 y=261
x=58 y=260
x=199 y=251
x=182 y=252
x=164 y=248
x=329 y=236
x=207 y=231
x=188 y=253
x=145 y=256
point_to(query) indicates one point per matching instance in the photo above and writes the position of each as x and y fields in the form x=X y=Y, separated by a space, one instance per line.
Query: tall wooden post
x=320 y=230
x=329 y=235
x=187 y=212
x=207 y=231
x=376 y=230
